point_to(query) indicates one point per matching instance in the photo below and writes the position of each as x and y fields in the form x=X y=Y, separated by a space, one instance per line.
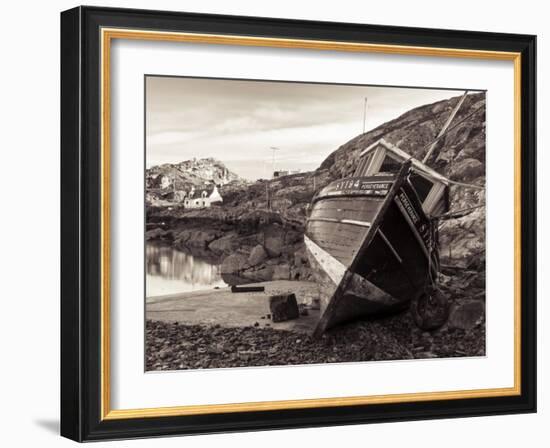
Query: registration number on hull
x=357 y=186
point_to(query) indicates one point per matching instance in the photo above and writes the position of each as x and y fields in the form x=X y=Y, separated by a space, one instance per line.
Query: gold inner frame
x=107 y=35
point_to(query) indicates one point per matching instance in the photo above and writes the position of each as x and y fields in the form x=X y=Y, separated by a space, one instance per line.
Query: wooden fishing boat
x=372 y=239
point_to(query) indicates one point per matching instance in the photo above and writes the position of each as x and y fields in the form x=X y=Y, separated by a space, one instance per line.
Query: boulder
x=257 y=255
x=259 y=274
x=155 y=234
x=274 y=245
x=181 y=238
x=300 y=257
x=281 y=272
x=467 y=315
x=293 y=237
x=283 y=307
x=202 y=238
x=467 y=170
x=301 y=273
x=473 y=149
x=196 y=238
x=274 y=240
x=281 y=203
x=225 y=244
x=463 y=249
x=233 y=264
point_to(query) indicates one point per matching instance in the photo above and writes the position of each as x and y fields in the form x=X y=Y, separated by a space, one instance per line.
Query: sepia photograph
x=291 y=223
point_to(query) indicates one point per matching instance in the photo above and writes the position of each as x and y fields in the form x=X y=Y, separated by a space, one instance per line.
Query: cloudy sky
x=238 y=122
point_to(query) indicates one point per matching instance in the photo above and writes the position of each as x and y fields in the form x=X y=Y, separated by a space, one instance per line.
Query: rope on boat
x=431 y=145
x=462 y=184
x=459 y=213
x=445 y=126
x=440 y=136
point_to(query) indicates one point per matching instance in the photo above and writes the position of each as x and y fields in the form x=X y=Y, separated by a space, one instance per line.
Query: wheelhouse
x=383 y=159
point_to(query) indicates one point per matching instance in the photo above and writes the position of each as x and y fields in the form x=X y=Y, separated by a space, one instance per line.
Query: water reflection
x=170 y=271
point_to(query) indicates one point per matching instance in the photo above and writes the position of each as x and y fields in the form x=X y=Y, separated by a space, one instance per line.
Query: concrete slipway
x=227 y=309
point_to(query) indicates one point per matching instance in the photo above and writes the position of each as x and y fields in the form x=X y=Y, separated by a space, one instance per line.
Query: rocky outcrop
x=467 y=314
x=257 y=255
x=193 y=238
x=157 y=234
x=274 y=242
x=281 y=272
x=234 y=264
x=194 y=171
x=467 y=170
x=224 y=245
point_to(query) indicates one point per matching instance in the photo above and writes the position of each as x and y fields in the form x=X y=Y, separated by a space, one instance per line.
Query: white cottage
x=202 y=198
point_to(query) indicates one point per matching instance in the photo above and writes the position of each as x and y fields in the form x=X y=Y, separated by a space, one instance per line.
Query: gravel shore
x=173 y=346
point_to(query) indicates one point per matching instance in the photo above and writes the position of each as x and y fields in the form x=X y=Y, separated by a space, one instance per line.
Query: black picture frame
x=81 y=215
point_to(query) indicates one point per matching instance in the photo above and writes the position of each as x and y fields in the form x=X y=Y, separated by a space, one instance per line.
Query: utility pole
x=365 y=114
x=273 y=148
x=268 y=185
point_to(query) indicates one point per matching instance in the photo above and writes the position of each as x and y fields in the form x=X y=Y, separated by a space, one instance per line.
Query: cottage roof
x=198 y=190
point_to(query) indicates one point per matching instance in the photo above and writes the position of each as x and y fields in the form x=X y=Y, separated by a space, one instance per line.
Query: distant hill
x=196 y=171
x=162 y=180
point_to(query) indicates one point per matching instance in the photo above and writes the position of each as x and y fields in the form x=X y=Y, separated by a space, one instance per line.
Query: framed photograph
x=276 y=224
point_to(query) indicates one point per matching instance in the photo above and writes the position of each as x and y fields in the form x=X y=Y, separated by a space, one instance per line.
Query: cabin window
x=436 y=202
x=361 y=169
x=389 y=165
x=422 y=185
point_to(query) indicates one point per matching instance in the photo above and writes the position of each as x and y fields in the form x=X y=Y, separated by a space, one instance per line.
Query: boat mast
x=365 y=114
x=444 y=128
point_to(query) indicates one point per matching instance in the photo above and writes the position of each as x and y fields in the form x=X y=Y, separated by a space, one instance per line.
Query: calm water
x=170 y=271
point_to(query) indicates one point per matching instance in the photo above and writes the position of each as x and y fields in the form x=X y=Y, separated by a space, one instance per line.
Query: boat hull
x=371 y=249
